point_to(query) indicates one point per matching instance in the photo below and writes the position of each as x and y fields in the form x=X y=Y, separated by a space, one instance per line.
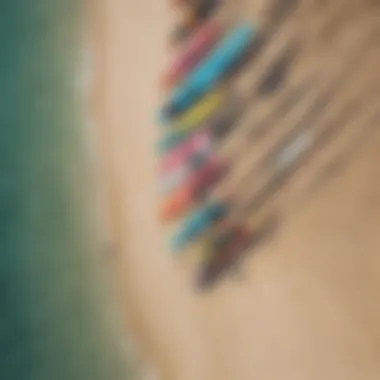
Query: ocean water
x=55 y=320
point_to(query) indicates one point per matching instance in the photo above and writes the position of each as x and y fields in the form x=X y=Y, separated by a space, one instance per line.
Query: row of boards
x=201 y=110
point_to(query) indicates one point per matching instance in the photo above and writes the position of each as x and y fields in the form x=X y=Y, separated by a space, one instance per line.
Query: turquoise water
x=53 y=313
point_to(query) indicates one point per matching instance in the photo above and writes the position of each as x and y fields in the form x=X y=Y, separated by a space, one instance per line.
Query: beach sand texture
x=307 y=304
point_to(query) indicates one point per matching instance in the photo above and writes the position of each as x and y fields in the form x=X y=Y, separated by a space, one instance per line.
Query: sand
x=304 y=307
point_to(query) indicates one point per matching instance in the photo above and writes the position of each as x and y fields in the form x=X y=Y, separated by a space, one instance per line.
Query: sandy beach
x=304 y=307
